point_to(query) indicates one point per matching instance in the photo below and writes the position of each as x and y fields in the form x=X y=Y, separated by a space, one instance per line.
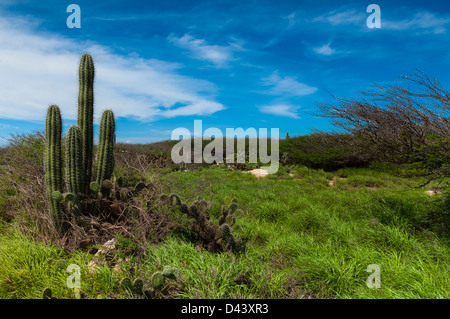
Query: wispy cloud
x=419 y=22
x=325 y=49
x=286 y=86
x=424 y=22
x=41 y=69
x=342 y=17
x=280 y=110
x=218 y=55
x=291 y=18
x=7 y=126
x=286 y=24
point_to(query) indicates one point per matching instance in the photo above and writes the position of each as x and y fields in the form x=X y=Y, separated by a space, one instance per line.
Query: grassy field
x=304 y=238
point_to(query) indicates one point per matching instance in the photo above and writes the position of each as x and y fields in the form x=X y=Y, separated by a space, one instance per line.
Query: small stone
x=110 y=244
x=259 y=172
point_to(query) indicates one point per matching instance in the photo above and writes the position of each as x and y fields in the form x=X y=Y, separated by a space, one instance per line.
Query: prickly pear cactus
x=126 y=284
x=157 y=280
x=138 y=286
x=171 y=272
x=47 y=293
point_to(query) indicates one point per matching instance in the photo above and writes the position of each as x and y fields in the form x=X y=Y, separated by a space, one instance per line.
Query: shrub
x=323 y=151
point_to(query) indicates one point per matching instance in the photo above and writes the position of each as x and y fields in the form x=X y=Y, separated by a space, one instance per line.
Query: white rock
x=259 y=172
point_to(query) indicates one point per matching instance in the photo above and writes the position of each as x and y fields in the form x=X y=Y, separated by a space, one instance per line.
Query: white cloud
x=325 y=50
x=198 y=107
x=286 y=86
x=41 y=69
x=201 y=50
x=280 y=110
x=423 y=21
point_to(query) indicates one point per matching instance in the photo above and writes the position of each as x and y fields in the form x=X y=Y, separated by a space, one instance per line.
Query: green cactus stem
x=95 y=187
x=86 y=114
x=70 y=198
x=74 y=163
x=53 y=160
x=104 y=165
x=57 y=196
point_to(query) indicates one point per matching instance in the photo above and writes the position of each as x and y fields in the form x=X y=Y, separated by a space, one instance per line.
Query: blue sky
x=163 y=64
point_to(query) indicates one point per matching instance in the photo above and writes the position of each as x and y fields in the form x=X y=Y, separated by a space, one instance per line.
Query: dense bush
x=431 y=160
x=322 y=150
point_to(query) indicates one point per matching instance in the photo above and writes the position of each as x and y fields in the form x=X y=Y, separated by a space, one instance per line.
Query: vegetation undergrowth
x=305 y=238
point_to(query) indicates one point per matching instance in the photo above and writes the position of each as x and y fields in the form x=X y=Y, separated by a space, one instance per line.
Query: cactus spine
x=74 y=163
x=86 y=114
x=53 y=159
x=104 y=165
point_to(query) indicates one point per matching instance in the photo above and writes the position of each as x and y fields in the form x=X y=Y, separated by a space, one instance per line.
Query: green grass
x=27 y=268
x=304 y=239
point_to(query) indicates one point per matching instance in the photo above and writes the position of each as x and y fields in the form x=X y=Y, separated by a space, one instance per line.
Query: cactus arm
x=74 y=163
x=53 y=159
x=86 y=114
x=104 y=164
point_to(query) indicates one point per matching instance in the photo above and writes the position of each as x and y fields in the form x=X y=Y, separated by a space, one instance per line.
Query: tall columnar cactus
x=104 y=165
x=86 y=114
x=79 y=148
x=53 y=159
x=74 y=165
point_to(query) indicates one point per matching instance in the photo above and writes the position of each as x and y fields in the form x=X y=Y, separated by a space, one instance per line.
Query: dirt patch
x=432 y=192
x=105 y=256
